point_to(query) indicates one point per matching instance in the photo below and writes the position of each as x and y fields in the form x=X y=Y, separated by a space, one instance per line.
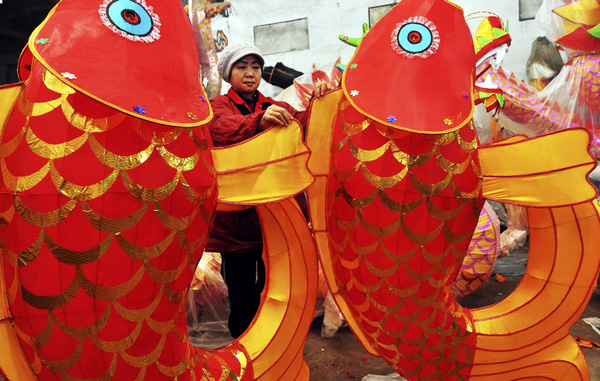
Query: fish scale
x=412 y=230
x=144 y=208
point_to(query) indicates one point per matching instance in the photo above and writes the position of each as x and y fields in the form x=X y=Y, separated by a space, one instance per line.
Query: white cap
x=233 y=53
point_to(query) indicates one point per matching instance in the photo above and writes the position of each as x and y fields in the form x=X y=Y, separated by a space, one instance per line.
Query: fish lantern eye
x=130 y=16
x=131 y=19
x=416 y=37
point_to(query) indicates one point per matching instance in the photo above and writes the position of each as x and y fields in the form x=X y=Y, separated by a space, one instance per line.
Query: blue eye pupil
x=130 y=17
x=415 y=38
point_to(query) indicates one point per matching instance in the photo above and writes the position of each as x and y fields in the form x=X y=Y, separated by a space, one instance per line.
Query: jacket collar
x=259 y=99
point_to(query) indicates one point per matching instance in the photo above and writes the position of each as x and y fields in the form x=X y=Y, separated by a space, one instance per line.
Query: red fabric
x=239 y=231
x=80 y=43
x=427 y=93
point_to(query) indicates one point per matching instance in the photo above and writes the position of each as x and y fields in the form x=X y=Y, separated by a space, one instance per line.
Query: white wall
x=329 y=18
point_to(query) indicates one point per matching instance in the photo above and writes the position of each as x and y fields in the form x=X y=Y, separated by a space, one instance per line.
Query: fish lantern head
x=86 y=44
x=414 y=70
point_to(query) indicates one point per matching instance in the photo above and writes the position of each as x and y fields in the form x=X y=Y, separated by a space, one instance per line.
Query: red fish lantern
x=108 y=186
x=401 y=181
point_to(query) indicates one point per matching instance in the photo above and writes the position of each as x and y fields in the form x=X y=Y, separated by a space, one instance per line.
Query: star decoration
x=354 y=93
x=448 y=121
x=392 y=119
x=192 y=116
x=68 y=75
x=353 y=66
x=43 y=41
x=139 y=110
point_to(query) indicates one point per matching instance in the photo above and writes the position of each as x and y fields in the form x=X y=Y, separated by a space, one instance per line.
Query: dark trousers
x=244 y=275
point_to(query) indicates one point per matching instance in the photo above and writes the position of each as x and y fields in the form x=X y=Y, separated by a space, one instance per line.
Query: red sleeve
x=228 y=126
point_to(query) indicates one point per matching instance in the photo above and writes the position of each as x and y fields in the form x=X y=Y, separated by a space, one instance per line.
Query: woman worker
x=240 y=114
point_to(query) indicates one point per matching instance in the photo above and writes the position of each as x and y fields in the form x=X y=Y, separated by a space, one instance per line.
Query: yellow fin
x=8 y=96
x=546 y=171
x=269 y=167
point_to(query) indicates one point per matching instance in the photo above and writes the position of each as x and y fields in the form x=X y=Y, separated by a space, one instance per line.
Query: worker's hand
x=275 y=116
x=321 y=88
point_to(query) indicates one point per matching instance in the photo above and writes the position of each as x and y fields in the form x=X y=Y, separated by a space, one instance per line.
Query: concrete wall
x=329 y=18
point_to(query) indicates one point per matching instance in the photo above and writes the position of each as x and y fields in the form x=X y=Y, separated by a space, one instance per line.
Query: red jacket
x=232 y=123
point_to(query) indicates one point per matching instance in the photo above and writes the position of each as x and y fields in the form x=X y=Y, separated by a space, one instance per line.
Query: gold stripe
x=384 y=182
x=150 y=358
x=111 y=292
x=119 y=345
x=174 y=223
x=162 y=327
x=68 y=362
x=82 y=192
x=150 y=195
x=440 y=214
x=73 y=257
x=145 y=253
x=178 y=163
x=165 y=276
x=87 y=124
x=109 y=225
x=53 y=151
x=190 y=247
x=398 y=207
x=418 y=238
x=430 y=189
x=110 y=372
x=40 y=219
x=83 y=332
x=23 y=183
x=42 y=339
x=8 y=148
x=173 y=296
x=141 y=314
x=119 y=162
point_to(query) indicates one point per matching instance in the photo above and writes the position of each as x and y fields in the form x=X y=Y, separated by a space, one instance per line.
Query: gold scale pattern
x=402 y=208
x=103 y=220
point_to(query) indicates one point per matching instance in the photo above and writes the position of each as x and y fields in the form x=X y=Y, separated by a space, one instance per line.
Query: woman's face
x=246 y=75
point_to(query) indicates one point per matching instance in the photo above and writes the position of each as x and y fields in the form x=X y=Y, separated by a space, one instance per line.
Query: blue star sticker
x=139 y=110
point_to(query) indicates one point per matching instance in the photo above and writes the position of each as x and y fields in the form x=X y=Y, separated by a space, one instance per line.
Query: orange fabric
x=515 y=171
x=527 y=334
x=275 y=339
x=263 y=165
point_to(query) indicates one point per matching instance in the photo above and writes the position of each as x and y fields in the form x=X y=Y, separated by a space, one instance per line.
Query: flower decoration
x=448 y=121
x=192 y=116
x=353 y=66
x=354 y=93
x=139 y=110
x=68 y=75
x=466 y=96
x=201 y=98
x=43 y=41
x=392 y=119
